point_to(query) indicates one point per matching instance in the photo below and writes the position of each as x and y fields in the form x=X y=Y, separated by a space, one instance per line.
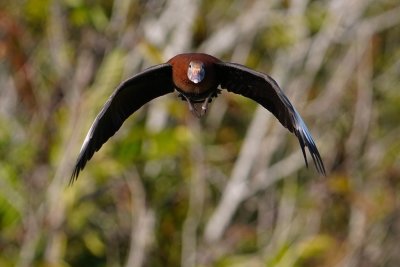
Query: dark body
x=197 y=77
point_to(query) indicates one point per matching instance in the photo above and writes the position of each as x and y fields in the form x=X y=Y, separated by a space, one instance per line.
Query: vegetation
x=231 y=189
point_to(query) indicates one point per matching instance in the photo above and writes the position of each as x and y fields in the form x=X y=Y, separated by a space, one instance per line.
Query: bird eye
x=190 y=65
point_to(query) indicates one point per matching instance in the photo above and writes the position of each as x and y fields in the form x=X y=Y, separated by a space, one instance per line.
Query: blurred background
x=230 y=189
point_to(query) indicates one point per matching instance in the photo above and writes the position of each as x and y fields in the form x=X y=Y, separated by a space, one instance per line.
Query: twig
x=237 y=187
x=196 y=202
x=143 y=221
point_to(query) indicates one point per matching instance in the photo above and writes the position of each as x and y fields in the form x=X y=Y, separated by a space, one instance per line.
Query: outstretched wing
x=264 y=90
x=126 y=99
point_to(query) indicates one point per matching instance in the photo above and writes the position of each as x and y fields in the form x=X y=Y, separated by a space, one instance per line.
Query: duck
x=197 y=78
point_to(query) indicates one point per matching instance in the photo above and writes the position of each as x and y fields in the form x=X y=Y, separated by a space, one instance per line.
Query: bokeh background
x=230 y=189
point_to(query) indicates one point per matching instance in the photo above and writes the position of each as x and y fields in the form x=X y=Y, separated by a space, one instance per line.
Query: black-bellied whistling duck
x=196 y=77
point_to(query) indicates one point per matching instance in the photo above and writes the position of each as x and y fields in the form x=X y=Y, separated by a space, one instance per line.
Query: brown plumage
x=196 y=77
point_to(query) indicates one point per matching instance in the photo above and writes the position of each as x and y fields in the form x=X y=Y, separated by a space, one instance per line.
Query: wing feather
x=129 y=96
x=264 y=90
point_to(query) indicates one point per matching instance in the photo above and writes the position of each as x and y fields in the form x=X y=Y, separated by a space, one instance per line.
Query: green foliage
x=36 y=12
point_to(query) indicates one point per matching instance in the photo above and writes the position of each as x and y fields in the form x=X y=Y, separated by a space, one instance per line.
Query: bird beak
x=196 y=72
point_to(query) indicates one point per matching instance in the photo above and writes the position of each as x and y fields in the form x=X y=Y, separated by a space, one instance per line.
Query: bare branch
x=196 y=201
x=143 y=221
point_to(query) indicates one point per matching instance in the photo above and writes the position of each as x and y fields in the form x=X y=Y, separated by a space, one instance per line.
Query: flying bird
x=197 y=78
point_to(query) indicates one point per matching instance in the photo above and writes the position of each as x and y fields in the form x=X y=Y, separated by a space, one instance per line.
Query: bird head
x=196 y=71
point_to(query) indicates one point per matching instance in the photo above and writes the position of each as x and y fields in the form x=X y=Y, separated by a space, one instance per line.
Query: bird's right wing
x=126 y=99
x=264 y=90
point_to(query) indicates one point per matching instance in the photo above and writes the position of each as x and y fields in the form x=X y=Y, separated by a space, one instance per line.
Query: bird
x=197 y=78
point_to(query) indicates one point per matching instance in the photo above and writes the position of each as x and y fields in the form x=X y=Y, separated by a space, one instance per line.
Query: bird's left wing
x=265 y=91
x=129 y=96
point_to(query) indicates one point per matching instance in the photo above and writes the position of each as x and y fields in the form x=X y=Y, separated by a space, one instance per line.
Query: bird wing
x=129 y=96
x=264 y=90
